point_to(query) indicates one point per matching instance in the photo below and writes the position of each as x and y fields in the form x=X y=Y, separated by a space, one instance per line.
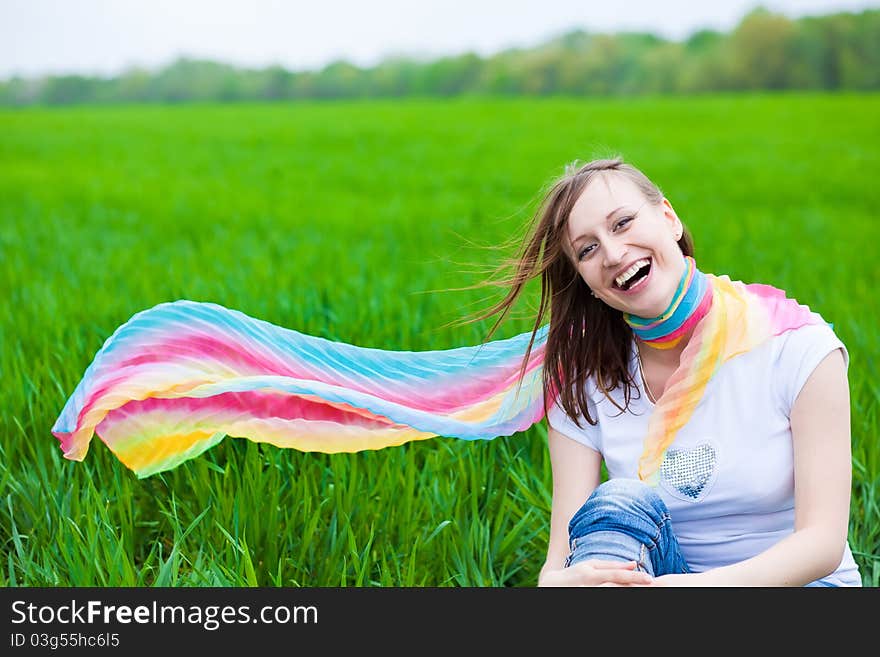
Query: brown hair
x=586 y=336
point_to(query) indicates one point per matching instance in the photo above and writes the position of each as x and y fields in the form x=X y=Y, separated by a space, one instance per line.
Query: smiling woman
x=736 y=469
x=654 y=229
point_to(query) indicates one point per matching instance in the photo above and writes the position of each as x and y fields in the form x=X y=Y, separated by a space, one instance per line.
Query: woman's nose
x=614 y=253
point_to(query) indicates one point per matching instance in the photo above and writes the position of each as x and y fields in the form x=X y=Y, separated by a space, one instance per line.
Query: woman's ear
x=674 y=222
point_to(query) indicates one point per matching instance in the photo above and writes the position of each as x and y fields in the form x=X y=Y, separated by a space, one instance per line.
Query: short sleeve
x=588 y=435
x=802 y=351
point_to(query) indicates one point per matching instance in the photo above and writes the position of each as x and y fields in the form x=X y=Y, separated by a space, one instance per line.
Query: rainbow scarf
x=729 y=318
x=690 y=303
x=177 y=378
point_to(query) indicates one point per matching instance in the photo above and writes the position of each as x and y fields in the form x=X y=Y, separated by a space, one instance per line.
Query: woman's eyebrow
x=607 y=217
x=611 y=214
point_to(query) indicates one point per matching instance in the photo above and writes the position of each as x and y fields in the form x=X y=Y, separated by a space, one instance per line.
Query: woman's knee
x=621 y=488
x=627 y=518
x=622 y=496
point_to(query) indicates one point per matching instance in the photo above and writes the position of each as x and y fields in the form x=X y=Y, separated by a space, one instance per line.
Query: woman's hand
x=594 y=572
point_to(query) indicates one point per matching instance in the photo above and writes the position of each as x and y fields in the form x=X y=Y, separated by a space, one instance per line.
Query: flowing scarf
x=175 y=379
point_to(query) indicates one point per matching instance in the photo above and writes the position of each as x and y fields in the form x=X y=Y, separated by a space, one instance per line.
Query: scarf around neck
x=729 y=318
x=689 y=305
x=177 y=378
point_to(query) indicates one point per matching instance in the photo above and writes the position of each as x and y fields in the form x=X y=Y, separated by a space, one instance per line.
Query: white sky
x=104 y=37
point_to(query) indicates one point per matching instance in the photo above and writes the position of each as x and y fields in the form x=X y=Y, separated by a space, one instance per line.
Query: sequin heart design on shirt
x=689 y=473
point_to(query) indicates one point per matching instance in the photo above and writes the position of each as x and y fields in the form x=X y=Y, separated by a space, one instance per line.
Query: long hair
x=586 y=337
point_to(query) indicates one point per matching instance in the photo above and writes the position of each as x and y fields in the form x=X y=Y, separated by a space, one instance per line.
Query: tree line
x=765 y=51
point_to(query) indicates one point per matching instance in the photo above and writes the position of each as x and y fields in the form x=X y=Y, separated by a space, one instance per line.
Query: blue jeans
x=625 y=520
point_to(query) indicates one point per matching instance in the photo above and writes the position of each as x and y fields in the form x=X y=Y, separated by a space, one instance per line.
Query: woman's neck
x=668 y=334
x=665 y=358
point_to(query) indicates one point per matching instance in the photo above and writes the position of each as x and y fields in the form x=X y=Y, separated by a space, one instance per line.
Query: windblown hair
x=586 y=336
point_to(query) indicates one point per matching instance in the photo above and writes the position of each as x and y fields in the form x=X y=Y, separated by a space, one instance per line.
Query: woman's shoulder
x=794 y=345
x=787 y=357
x=796 y=354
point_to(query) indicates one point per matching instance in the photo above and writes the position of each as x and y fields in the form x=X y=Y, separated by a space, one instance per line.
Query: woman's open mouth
x=635 y=281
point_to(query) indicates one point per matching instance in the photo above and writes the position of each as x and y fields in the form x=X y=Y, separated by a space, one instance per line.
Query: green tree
x=761 y=50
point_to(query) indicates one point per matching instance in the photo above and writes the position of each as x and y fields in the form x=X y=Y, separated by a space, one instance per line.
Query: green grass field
x=343 y=220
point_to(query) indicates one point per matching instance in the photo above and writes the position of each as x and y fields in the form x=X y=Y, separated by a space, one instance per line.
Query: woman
x=720 y=409
x=741 y=477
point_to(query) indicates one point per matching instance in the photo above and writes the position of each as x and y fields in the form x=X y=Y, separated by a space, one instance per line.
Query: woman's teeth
x=629 y=273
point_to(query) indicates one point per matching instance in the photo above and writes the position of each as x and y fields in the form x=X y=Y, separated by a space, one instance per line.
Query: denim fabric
x=625 y=520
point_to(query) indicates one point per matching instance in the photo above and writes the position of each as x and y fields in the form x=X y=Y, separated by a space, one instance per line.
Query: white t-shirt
x=728 y=478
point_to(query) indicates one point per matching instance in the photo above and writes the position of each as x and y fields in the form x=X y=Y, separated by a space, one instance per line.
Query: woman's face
x=614 y=231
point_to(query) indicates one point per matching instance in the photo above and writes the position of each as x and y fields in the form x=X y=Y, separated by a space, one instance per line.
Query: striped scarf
x=175 y=379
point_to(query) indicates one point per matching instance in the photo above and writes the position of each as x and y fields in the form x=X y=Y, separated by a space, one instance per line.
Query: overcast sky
x=107 y=36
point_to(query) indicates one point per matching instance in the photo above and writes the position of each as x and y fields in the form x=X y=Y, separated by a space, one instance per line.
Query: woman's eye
x=623 y=221
x=584 y=252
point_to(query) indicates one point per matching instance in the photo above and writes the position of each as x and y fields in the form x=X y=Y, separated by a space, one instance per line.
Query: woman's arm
x=820 y=428
x=576 y=474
